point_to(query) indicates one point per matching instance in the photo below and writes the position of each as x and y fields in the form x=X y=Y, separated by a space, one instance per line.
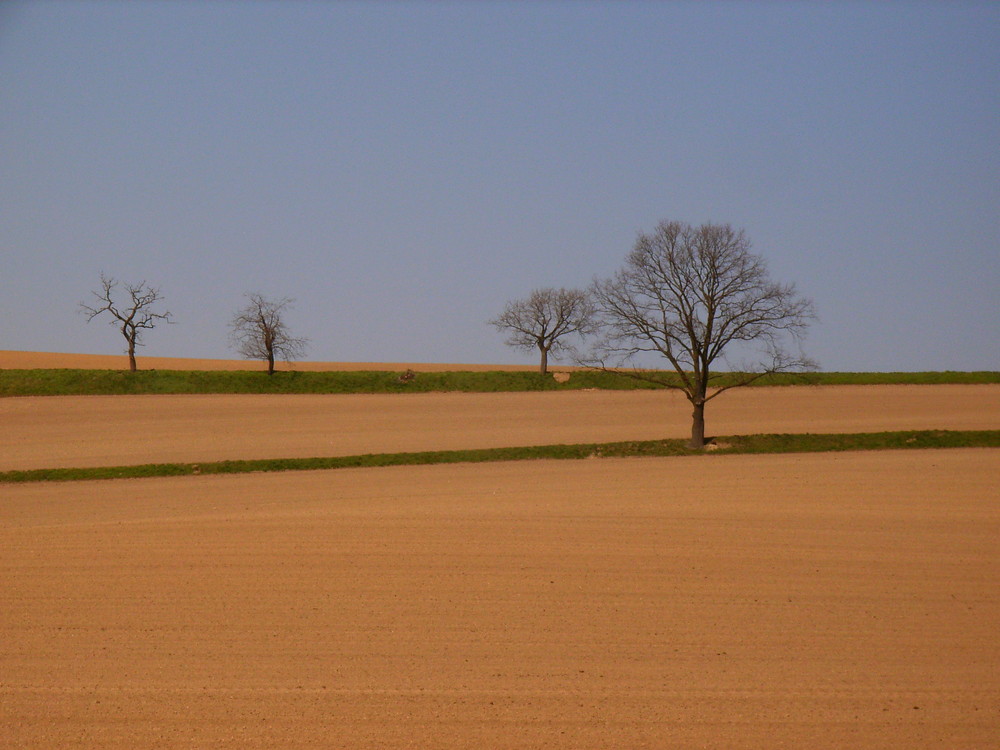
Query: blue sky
x=403 y=169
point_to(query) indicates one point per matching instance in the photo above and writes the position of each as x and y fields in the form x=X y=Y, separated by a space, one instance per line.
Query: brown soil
x=115 y=430
x=16 y=360
x=820 y=601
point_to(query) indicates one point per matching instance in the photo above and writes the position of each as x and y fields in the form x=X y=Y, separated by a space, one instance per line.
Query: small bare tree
x=544 y=319
x=258 y=331
x=133 y=316
x=688 y=294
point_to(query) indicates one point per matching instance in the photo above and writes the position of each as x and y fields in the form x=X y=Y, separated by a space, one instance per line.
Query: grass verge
x=728 y=445
x=150 y=382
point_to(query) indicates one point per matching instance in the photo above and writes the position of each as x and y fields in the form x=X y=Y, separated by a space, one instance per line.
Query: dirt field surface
x=795 y=601
x=75 y=431
x=16 y=360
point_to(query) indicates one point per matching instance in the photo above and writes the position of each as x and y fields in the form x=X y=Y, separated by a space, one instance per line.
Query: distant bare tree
x=258 y=331
x=131 y=317
x=687 y=294
x=544 y=319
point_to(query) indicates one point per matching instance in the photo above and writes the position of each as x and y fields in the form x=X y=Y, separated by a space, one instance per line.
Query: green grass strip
x=55 y=382
x=728 y=445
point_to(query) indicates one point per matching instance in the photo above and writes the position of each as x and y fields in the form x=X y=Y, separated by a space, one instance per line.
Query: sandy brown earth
x=806 y=601
x=116 y=430
x=18 y=360
x=820 y=601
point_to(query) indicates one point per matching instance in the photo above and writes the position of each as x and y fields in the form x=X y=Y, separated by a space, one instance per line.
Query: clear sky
x=403 y=169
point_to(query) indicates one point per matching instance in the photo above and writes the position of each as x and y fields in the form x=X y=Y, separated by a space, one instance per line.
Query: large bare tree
x=133 y=316
x=259 y=331
x=544 y=320
x=689 y=294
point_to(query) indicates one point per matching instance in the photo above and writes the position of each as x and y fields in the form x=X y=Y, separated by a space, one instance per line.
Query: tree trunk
x=270 y=362
x=698 y=426
x=131 y=352
x=543 y=366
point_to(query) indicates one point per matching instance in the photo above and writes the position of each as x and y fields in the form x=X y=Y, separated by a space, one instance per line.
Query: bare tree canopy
x=133 y=316
x=258 y=331
x=689 y=293
x=544 y=320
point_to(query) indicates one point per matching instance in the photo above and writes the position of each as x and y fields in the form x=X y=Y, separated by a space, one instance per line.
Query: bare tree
x=688 y=294
x=544 y=320
x=258 y=331
x=133 y=316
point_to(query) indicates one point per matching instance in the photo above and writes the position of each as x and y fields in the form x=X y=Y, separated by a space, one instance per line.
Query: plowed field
x=40 y=432
x=821 y=601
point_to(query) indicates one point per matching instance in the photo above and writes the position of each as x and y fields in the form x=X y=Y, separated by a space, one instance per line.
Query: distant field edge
x=88 y=382
x=722 y=445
